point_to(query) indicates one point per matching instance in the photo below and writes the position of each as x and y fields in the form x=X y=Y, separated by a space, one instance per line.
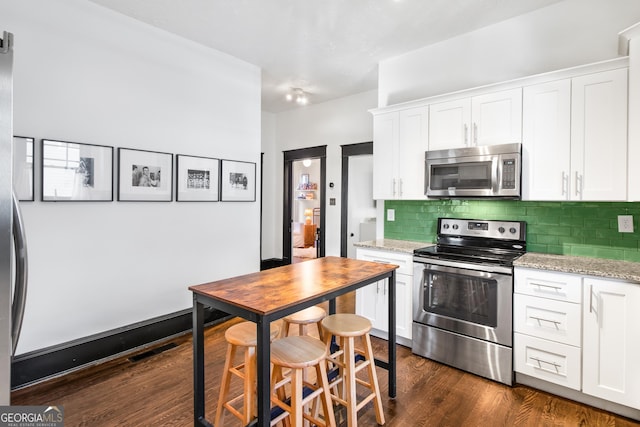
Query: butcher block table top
x=271 y=291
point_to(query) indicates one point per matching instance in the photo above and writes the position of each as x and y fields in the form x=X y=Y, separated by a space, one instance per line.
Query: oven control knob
x=501 y=230
x=445 y=226
x=455 y=226
x=512 y=230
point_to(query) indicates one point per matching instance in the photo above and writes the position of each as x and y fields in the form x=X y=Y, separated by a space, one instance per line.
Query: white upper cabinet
x=574 y=138
x=546 y=141
x=497 y=118
x=400 y=140
x=449 y=124
x=599 y=136
x=492 y=118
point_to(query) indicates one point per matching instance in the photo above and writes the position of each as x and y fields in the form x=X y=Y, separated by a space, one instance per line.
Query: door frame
x=319 y=152
x=358 y=149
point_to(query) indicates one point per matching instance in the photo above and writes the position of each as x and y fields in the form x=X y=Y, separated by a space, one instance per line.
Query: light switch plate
x=391 y=214
x=625 y=223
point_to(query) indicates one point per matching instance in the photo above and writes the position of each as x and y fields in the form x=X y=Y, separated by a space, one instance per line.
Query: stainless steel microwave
x=474 y=172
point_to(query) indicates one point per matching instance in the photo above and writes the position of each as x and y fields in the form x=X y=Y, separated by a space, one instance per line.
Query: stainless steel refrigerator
x=13 y=261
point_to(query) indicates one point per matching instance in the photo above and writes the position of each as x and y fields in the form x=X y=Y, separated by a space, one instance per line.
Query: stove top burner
x=477 y=241
x=469 y=254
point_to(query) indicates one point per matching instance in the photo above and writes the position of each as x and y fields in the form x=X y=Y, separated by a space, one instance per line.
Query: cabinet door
x=611 y=341
x=497 y=118
x=546 y=141
x=449 y=124
x=412 y=144
x=371 y=303
x=385 y=145
x=599 y=136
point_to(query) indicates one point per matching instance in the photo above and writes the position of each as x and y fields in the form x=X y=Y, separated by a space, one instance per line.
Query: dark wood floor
x=158 y=391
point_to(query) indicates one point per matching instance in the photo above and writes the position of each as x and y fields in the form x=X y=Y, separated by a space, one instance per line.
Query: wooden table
x=272 y=294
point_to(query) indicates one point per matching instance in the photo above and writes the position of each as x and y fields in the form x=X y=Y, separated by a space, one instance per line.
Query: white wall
x=270 y=236
x=85 y=74
x=333 y=123
x=565 y=34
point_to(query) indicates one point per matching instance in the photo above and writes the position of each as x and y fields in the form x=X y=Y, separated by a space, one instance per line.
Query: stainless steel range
x=463 y=296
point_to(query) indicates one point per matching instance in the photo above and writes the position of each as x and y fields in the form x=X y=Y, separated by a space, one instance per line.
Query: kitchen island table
x=272 y=294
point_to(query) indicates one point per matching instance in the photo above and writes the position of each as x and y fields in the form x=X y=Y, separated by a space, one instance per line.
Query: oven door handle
x=459 y=267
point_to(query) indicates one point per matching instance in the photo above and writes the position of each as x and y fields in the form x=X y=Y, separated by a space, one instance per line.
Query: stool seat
x=244 y=334
x=297 y=352
x=303 y=318
x=346 y=325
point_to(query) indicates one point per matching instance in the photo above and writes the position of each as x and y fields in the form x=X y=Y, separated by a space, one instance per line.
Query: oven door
x=466 y=299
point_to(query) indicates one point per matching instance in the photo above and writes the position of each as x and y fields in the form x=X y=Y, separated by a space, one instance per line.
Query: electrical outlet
x=391 y=214
x=625 y=223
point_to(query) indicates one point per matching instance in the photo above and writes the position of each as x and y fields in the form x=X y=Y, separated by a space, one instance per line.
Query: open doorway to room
x=358 y=210
x=303 y=211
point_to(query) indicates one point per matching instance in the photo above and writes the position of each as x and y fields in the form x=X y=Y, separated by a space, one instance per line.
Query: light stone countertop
x=403 y=246
x=613 y=269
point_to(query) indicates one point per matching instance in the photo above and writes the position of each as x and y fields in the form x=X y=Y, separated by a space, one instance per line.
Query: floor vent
x=147 y=354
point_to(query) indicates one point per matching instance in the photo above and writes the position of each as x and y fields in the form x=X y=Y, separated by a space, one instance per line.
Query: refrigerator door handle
x=20 y=291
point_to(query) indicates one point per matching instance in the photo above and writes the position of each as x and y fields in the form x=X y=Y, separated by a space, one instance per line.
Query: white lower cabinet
x=611 y=345
x=583 y=333
x=372 y=301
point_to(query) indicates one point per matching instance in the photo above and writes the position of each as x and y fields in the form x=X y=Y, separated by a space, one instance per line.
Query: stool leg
x=319 y=324
x=296 y=397
x=373 y=379
x=327 y=405
x=284 y=332
x=224 y=386
x=350 y=380
x=249 y=384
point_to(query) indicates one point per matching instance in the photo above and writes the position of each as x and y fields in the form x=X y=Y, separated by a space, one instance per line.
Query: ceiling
x=328 y=48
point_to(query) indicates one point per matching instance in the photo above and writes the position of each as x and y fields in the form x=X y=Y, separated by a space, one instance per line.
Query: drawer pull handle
x=540 y=362
x=540 y=320
x=542 y=285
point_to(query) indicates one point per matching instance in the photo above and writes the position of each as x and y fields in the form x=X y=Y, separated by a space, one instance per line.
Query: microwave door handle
x=497 y=184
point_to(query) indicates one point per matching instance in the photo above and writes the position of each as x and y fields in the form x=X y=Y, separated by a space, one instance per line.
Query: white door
x=497 y=118
x=412 y=144
x=611 y=341
x=361 y=210
x=449 y=124
x=385 y=145
x=599 y=136
x=546 y=141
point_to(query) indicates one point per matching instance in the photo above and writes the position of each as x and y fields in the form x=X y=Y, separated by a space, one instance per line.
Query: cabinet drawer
x=546 y=284
x=549 y=319
x=403 y=261
x=547 y=360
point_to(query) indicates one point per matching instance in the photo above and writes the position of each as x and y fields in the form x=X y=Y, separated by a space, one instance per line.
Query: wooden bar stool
x=240 y=336
x=349 y=360
x=303 y=318
x=299 y=353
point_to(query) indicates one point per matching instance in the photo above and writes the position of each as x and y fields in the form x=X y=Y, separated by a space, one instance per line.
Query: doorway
x=304 y=208
x=358 y=212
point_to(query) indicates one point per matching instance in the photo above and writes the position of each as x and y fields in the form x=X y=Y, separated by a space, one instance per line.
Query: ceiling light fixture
x=298 y=95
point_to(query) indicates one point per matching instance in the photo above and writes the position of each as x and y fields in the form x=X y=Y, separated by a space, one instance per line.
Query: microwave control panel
x=509 y=174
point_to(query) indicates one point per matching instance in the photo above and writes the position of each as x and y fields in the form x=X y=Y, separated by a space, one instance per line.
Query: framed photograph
x=23 y=167
x=73 y=171
x=144 y=176
x=197 y=179
x=238 y=181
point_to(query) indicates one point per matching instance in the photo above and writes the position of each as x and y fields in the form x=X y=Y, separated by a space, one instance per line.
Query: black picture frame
x=76 y=172
x=144 y=176
x=197 y=178
x=23 y=167
x=237 y=181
